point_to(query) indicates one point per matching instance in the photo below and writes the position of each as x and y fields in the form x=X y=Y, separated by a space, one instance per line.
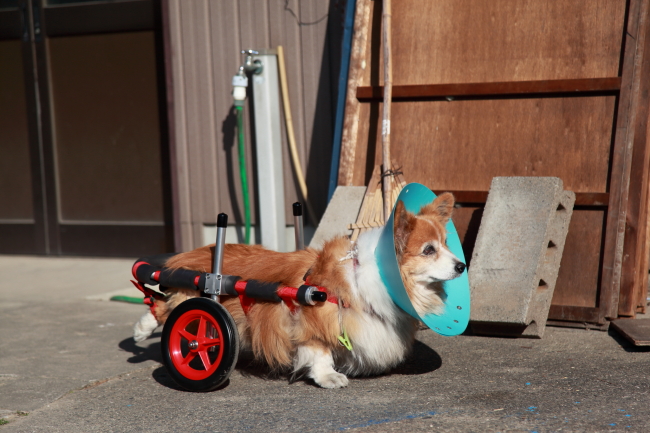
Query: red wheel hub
x=207 y=336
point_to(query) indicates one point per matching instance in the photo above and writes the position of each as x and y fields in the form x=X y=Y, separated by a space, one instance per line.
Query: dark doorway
x=83 y=148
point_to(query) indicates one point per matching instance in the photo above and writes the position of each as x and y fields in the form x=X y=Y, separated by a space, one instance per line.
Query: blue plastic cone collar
x=455 y=317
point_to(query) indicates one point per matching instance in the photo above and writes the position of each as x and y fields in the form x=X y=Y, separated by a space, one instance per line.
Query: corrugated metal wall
x=204 y=41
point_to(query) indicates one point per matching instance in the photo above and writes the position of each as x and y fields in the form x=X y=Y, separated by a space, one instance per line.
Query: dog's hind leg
x=145 y=327
x=318 y=362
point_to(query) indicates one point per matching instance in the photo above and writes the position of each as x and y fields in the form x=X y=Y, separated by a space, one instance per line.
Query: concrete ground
x=68 y=364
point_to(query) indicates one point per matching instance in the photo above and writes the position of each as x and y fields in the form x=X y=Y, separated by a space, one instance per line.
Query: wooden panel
x=96 y=17
x=467 y=220
x=582 y=198
x=506 y=88
x=15 y=173
x=103 y=146
x=584 y=315
x=635 y=330
x=578 y=279
x=462 y=145
x=114 y=240
x=497 y=58
x=509 y=40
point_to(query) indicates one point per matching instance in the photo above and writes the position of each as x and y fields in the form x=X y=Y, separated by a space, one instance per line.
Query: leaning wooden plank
x=630 y=105
x=355 y=75
x=634 y=275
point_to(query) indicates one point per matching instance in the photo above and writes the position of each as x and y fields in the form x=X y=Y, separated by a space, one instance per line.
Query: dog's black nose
x=460 y=267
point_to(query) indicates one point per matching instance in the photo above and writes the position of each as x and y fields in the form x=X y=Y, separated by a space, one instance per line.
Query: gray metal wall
x=203 y=42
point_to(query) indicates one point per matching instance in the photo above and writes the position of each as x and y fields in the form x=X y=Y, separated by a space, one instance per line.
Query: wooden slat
x=577 y=314
x=351 y=128
x=508 y=88
x=636 y=331
x=634 y=272
x=628 y=108
x=463 y=144
x=450 y=41
x=600 y=199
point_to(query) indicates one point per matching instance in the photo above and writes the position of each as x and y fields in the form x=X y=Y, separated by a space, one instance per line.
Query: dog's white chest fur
x=384 y=333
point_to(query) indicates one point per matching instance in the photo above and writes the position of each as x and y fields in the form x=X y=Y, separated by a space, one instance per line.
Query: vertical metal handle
x=222 y=223
x=299 y=232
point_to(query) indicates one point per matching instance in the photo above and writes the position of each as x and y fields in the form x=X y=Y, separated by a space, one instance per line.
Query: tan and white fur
x=306 y=342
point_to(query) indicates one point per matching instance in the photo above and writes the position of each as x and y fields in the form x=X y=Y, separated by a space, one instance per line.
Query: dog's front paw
x=145 y=327
x=332 y=380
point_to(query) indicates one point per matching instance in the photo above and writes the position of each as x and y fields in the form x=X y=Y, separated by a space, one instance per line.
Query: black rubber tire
x=200 y=379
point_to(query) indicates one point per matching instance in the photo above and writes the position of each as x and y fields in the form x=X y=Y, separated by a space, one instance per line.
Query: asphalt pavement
x=68 y=364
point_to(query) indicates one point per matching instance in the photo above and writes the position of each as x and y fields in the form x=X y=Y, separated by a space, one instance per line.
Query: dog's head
x=422 y=254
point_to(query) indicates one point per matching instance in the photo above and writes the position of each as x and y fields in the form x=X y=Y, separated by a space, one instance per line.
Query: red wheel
x=200 y=344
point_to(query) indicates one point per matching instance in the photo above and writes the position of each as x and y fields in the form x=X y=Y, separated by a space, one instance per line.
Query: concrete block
x=342 y=210
x=517 y=255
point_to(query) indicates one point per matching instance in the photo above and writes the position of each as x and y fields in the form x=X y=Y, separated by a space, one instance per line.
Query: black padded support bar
x=297 y=209
x=262 y=291
x=178 y=278
x=150 y=264
x=144 y=271
x=228 y=284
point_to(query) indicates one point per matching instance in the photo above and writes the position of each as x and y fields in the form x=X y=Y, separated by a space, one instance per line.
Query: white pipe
x=268 y=139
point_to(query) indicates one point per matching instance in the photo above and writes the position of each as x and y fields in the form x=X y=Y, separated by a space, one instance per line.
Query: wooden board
x=471 y=41
x=636 y=331
x=519 y=88
x=464 y=144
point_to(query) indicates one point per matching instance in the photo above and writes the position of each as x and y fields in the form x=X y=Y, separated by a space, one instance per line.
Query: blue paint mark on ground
x=387 y=420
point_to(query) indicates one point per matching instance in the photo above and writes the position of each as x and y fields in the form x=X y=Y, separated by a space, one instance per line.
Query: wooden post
x=388 y=95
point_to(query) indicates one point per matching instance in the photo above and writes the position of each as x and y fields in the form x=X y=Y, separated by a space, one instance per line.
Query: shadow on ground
x=142 y=354
x=422 y=360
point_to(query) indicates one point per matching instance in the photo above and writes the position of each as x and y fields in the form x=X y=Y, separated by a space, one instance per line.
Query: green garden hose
x=243 y=175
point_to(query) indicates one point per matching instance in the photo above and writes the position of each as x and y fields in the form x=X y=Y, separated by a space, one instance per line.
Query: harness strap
x=150 y=296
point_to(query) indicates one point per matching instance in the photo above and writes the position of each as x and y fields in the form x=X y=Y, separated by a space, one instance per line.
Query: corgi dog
x=306 y=341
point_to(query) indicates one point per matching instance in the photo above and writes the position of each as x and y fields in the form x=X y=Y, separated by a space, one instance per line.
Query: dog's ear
x=402 y=227
x=441 y=208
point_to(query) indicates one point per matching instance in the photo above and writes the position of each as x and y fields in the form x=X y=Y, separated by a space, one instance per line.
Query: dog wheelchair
x=200 y=342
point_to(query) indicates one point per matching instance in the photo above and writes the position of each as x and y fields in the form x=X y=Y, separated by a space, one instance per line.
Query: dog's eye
x=428 y=250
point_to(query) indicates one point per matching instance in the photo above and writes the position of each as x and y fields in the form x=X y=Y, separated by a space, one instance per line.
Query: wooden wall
x=203 y=43
x=519 y=88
